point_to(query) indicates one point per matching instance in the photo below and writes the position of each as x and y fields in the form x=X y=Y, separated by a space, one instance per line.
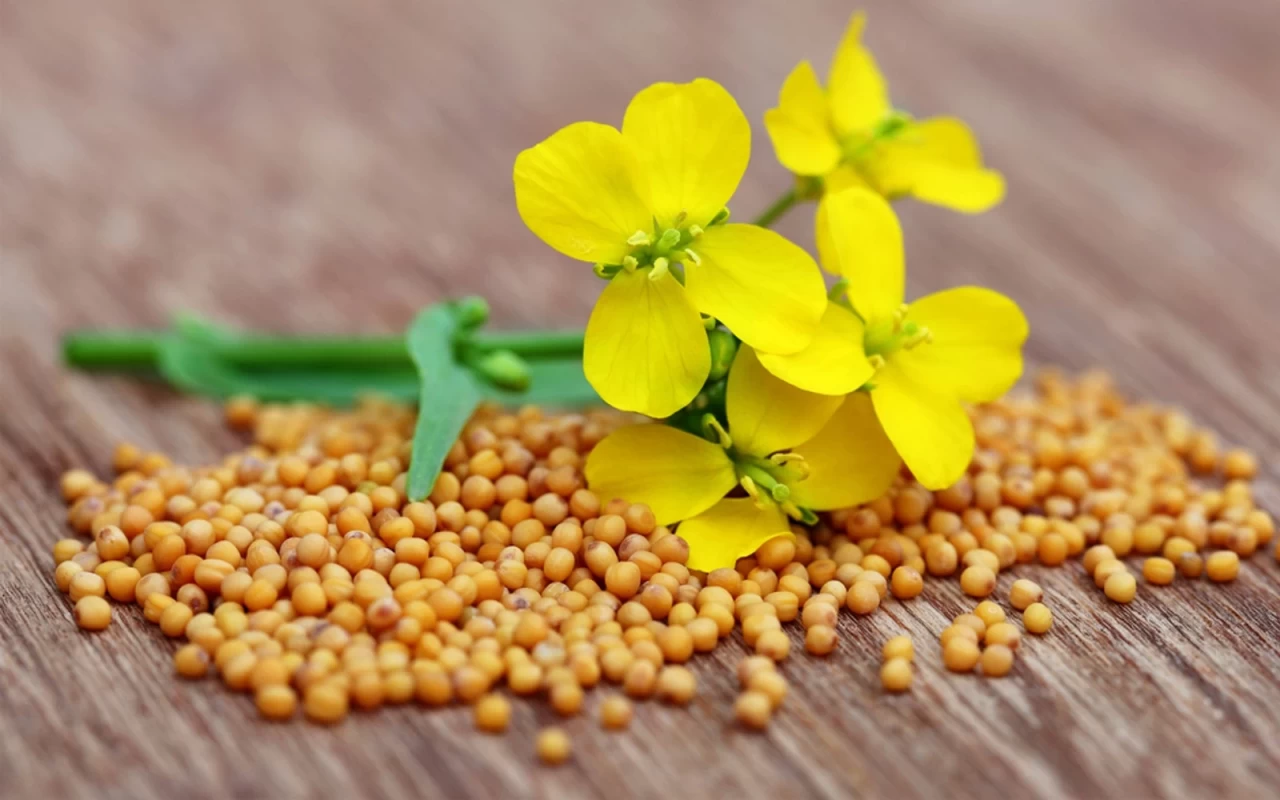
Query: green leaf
x=447 y=395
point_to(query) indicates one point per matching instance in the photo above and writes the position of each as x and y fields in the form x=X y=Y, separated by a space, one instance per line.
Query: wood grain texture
x=333 y=166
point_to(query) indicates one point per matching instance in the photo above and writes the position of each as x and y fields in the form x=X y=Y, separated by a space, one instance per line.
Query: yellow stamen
x=639 y=239
x=660 y=268
x=749 y=486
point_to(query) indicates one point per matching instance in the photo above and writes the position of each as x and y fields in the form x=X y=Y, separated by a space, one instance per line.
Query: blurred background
x=320 y=165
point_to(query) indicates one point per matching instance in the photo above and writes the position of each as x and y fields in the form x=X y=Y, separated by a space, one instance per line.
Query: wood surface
x=332 y=166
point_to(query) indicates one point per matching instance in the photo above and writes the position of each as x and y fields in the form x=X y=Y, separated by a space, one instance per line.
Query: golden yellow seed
x=325 y=703
x=1239 y=465
x=997 y=661
x=615 y=712
x=774 y=645
x=553 y=746
x=1221 y=567
x=92 y=613
x=978 y=581
x=989 y=612
x=1003 y=633
x=819 y=640
x=1037 y=618
x=86 y=584
x=1158 y=571
x=973 y=621
x=566 y=697
x=898 y=647
x=863 y=598
x=752 y=709
x=1023 y=593
x=1106 y=569
x=1096 y=555
x=191 y=661
x=676 y=685
x=276 y=702
x=961 y=654
x=896 y=674
x=492 y=713
x=1121 y=587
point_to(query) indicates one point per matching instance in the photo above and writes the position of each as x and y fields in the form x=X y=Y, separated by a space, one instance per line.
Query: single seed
x=1023 y=593
x=1158 y=571
x=898 y=647
x=92 y=613
x=553 y=746
x=990 y=613
x=752 y=709
x=1121 y=587
x=997 y=661
x=961 y=655
x=492 y=713
x=615 y=712
x=978 y=581
x=1221 y=567
x=1037 y=618
x=896 y=675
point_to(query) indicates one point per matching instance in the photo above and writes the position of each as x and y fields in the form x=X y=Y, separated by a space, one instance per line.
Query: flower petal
x=858 y=95
x=767 y=414
x=864 y=245
x=850 y=460
x=799 y=127
x=928 y=426
x=730 y=530
x=576 y=190
x=976 y=352
x=646 y=349
x=833 y=363
x=938 y=161
x=693 y=143
x=767 y=290
x=677 y=474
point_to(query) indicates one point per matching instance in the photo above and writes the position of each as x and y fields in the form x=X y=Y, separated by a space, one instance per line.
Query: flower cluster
x=781 y=397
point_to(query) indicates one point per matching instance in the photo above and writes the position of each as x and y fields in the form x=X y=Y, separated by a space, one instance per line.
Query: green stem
x=130 y=349
x=780 y=206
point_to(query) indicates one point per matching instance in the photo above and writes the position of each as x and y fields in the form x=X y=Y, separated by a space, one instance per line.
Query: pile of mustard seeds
x=298 y=571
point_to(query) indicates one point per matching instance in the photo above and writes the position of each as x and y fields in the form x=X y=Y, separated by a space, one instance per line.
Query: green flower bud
x=471 y=312
x=723 y=349
x=504 y=369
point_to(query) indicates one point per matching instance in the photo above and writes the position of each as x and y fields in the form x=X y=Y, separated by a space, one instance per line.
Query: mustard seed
x=276 y=702
x=1037 y=618
x=1121 y=587
x=1023 y=593
x=997 y=661
x=1002 y=633
x=896 y=675
x=676 y=685
x=961 y=654
x=615 y=712
x=553 y=746
x=863 y=598
x=1158 y=571
x=978 y=581
x=898 y=647
x=92 y=613
x=492 y=713
x=1221 y=567
x=753 y=709
x=990 y=613
x=771 y=684
x=820 y=640
x=191 y=661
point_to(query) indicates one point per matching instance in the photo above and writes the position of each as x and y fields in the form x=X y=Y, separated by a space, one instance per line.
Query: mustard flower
x=929 y=358
x=790 y=452
x=850 y=135
x=646 y=205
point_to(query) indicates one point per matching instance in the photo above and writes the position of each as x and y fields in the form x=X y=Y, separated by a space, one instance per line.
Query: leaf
x=447 y=396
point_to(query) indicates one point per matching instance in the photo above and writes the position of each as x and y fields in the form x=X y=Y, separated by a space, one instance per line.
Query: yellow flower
x=647 y=205
x=791 y=451
x=851 y=135
x=957 y=346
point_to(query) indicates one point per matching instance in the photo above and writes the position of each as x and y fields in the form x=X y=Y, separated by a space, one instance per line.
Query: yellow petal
x=767 y=290
x=976 y=352
x=850 y=460
x=864 y=245
x=833 y=363
x=677 y=474
x=858 y=95
x=693 y=143
x=646 y=349
x=927 y=424
x=799 y=127
x=767 y=414
x=576 y=190
x=729 y=530
x=937 y=161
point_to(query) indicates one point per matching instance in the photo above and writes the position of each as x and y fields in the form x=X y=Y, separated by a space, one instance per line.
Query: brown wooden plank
x=319 y=165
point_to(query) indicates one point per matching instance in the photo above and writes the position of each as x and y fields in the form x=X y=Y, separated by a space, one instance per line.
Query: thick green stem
x=128 y=349
x=780 y=207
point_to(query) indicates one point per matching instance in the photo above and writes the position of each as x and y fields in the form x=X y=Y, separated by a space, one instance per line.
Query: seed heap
x=298 y=570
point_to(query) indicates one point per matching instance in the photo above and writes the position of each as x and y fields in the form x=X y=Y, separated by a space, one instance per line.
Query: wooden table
x=332 y=166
